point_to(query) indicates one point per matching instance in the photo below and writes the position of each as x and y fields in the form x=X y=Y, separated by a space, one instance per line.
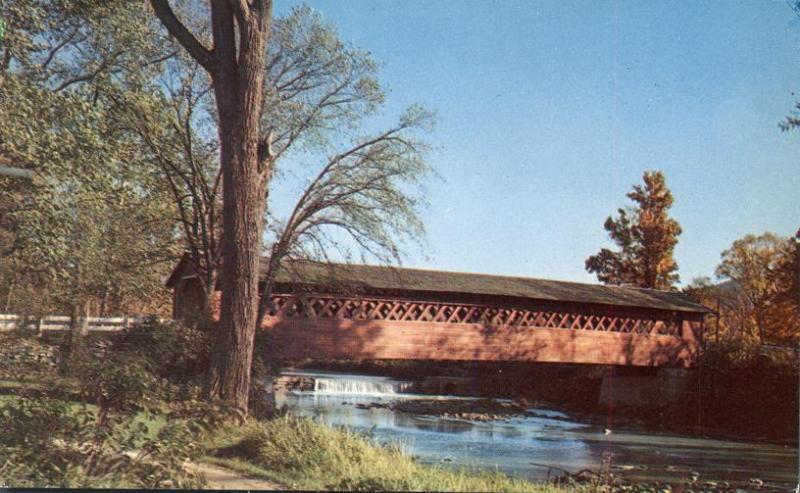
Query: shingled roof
x=372 y=277
x=384 y=278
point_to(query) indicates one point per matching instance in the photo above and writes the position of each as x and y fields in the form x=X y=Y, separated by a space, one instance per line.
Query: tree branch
x=200 y=53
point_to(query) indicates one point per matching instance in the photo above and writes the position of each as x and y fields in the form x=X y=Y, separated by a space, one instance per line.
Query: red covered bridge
x=332 y=311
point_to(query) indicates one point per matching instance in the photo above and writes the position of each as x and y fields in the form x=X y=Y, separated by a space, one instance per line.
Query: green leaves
x=318 y=87
x=97 y=224
x=361 y=189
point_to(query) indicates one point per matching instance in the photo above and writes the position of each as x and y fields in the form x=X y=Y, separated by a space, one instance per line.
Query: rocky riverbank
x=469 y=409
x=613 y=483
x=475 y=410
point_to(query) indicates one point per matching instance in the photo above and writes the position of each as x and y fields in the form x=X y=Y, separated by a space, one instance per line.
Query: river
x=536 y=446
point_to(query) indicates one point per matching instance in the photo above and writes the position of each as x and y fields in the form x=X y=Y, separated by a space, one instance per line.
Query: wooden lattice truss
x=335 y=307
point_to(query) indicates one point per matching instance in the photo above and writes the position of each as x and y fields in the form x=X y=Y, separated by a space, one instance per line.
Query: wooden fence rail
x=60 y=323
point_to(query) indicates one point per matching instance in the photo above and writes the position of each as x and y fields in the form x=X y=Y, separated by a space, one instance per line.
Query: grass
x=20 y=385
x=304 y=454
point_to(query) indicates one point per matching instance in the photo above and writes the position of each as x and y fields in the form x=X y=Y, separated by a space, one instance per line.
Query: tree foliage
x=131 y=148
x=645 y=236
x=792 y=120
x=174 y=123
x=95 y=226
x=763 y=272
x=359 y=191
x=94 y=229
x=359 y=188
x=756 y=299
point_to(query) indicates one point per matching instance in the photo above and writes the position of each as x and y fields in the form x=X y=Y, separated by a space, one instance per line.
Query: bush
x=51 y=442
x=122 y=382
x=128 y=431
x=24 y=357
x=30 y=455
x=748 y=390
x=179 y=353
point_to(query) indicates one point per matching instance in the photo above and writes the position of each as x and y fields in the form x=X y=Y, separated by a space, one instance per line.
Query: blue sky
x=549 y=112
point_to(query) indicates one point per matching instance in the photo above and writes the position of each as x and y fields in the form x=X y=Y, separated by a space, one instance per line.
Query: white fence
x=60 y=323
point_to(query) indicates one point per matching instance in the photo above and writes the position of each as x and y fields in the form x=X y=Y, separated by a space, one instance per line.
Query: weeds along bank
x=304 y=454
x=125 y=413
x=128 y=413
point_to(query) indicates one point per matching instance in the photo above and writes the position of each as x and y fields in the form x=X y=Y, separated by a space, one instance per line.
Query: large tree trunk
x=238 y=87
x=236 y=64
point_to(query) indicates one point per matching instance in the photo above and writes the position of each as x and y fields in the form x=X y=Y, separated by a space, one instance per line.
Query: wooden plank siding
x=328 y=326
x=368 y=312
x=298 y=338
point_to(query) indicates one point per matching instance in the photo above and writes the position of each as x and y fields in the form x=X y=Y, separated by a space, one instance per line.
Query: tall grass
x=304 y=454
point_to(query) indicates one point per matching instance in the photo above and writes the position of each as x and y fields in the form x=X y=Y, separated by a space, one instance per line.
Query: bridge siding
x=298 y=338
x=321 y=338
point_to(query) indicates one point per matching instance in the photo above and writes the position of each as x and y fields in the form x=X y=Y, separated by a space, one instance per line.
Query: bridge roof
x=372 y=277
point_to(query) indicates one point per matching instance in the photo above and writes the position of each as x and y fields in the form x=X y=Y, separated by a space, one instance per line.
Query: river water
x=539 y=445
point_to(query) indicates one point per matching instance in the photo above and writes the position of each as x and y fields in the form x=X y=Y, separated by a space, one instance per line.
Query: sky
x=549 y=112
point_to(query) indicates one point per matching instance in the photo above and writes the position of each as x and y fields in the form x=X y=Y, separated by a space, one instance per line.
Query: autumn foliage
x=757 y=300
x=646 y=237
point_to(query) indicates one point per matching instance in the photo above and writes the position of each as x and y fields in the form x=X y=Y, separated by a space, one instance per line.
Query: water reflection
x=543 y=442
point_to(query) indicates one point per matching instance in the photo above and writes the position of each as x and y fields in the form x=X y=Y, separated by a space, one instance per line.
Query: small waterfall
x=359 y=385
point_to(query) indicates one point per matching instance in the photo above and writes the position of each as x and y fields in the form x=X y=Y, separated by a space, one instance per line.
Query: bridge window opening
x=289 y=306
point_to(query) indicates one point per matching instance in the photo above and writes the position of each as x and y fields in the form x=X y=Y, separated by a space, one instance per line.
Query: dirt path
x=220 y=478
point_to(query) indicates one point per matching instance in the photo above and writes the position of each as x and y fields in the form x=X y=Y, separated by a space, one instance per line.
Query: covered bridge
x=328 y=311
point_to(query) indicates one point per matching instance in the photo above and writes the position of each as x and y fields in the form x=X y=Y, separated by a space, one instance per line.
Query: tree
x=91 y=233
x=646 y=237
x=173 y=123
x=787 y=275
x=318 y=93
x=236 y=65
x=761 y=268
x=731 y=319
x=167 y=105
x=362 y=192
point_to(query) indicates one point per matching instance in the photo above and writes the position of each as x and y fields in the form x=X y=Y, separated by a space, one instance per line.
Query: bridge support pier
x=645 y=387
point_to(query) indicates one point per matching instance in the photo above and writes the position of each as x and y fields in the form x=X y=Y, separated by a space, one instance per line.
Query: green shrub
x=128 y=430
x=121 y=382
x=55 y=443
x=35 y=434
x=179 y=353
